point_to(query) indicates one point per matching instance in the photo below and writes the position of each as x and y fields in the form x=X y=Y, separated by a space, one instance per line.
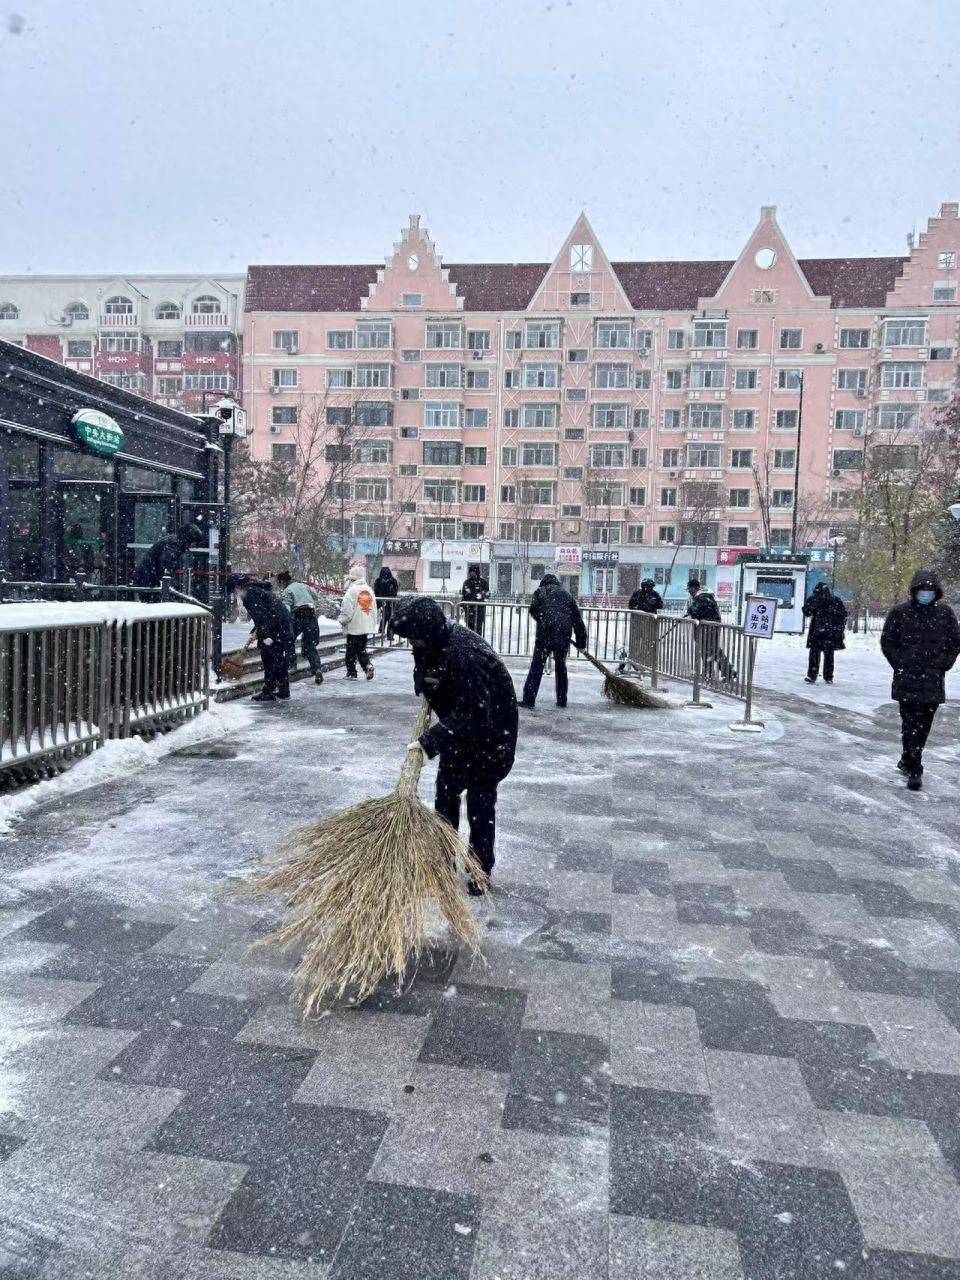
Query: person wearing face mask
x=921 y=641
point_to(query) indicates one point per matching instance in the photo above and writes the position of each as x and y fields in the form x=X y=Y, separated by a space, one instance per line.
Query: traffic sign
x=760 y=618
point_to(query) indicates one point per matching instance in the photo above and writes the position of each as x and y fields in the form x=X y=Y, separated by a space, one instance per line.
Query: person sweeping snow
x=358 y=617
x=558 y=620
x=471 y=692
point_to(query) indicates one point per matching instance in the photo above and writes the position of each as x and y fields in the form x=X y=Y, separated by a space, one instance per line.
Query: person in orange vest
x=358 y=617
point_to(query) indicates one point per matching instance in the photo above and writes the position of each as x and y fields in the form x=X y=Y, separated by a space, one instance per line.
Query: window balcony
x=128 y=320
x=207 y=320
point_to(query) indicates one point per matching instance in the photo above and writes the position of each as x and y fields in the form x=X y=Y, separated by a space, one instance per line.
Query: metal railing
x=73 y=676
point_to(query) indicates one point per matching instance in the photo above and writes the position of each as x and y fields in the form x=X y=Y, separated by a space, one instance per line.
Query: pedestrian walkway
x=716 y=1037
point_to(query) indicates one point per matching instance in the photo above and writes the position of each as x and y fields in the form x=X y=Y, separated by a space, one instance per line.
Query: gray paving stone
x=907 y=1205
x=243 y=982
x=646 y=1249
x=557 y=1174
x=569 y=997
x=522 y=1245
x=580 y=891
x=913 y=1034
x=810 y=990
x=850 y=1136
x=656 y=1047
x=923 y=943
x=408 y=1233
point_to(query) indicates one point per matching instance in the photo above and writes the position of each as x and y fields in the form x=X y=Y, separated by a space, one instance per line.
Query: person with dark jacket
x=471 y=693
x=475 y=590
x=921 y=641
x=300 y=601
x=274 y=631
x=646 y=599
x=166 y=555
x=558 y=619
x=703 y=607
x=386 y=589
x=828 y=620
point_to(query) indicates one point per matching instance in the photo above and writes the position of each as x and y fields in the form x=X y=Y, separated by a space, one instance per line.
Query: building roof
x=510 y=286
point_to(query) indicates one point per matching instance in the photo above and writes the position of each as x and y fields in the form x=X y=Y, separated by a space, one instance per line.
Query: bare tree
x=696 y=518
x=441 y=500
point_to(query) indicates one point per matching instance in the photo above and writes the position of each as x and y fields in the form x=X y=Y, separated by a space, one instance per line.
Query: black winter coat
x=921 y=642
x=557 y=616
x=828 y=619
x=165 y=556
x=704 y=607
x=475 y=589
x=385 y=586
x=646 y=600
x=269 y=615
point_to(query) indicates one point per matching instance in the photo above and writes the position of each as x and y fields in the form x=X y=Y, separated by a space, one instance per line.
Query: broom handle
x=595 y=661
x=413 y=763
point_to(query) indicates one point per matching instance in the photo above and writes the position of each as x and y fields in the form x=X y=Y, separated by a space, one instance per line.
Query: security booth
x=91 y=476
x=783 y=578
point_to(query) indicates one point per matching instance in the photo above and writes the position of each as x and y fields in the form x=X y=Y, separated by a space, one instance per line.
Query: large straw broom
x=623 y=692
x=359 y=885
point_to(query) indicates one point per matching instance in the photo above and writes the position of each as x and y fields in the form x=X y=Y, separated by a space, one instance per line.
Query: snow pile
x=35 y=614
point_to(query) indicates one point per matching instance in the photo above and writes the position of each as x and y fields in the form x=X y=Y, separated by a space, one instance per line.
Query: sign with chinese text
x=601 y=557
x=98 y=432
x=401 y=547
x=760 y=617
x=568 y=555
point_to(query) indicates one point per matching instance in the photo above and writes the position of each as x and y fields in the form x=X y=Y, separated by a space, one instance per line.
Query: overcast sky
x=208 y=134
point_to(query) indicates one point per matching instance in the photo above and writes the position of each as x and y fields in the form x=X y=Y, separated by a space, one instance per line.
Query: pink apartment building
x=604 y=420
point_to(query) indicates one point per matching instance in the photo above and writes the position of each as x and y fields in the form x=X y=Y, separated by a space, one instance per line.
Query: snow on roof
x=35 y=615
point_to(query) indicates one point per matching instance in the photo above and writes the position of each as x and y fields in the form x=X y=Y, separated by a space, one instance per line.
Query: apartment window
x=540 y=415
x=537 y=454
x=670 y=459
x=339 y=339
x=511 y=418
x=847 y=459
x=573 y=473
x=80 y=348
x=537 y=493
x=373 y=413
x=511 y=378
x=842 y=499
x=374 y=334
x=542 y=334
x=574 y=433
x=851 y=379
x=674 y=379
x=898 y=417
x=409 y=433
x=441 y=413
x=439 y=569
x=136 y=382
x=708 y=375
x=747 y=339
x=896 y=457
x=80 y=311
x=709 y=333
x=514 y=340
x=784 y=459
x=638 y=495
x=285 y=377
x=576 y=395
x=642 y=380
x=849 y=420
x=471 y=530
x=741 y=459
x=738 y=535
x=668 y=497
x=378 y=452
x=508 y=494
x=601 y=493
x=339 y=379
x=339 y=418
x=478 y=339
x=786 y=420
x=441 y=492
x=204 y=382
x=745 y=420
x=854 y=339
x=571 y=509
x=120 y=342
x=443 y=375
x=745 y=380
x=410 y=355
x=118 y=305
x=944 y=293
x=208 y=343
x=508 y=455
x=611 y=375
x=605 y=456
x=947 y=259
x=206 y=305
x=474 y=493
x=284 y=454
x=169 y=349
x=478 y=379
x=641 y=419
x=507 y=531
x=370 y=489
x=444 y=334
x=706 y=417
x=703 y=455
x=939 y=395
x=738 y=498
x=477 y=419
x=676 y=339
x=409 y=469
x=373 y=375
x=442 y=453
x=673 y=419
x=614 y=333
x=638 y=457
x=789 y=379
x=791 y=339
x=580 y=299
x=764 y=297
x=780 y=537
x=644 y=339
x=535 y=531
x=169 y=386
x=635 y=534
x=286 y=339
x=611 y=417
x=941 y=353
x=904 y=333
x=605 y=535
x=901 y=376
x=284 y=415
x=578 y=355
x=781 y=498
x=541 y=375
x=581 y=257
x=666 y=533
x=413 y=300
x=475 y=456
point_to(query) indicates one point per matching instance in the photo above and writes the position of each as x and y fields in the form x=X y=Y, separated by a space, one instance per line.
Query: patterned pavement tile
x=559 y=1083
x=645 y=1249
x=522 y=1245
x=476 y=1028
x=656 y=1047
x=408 y=1233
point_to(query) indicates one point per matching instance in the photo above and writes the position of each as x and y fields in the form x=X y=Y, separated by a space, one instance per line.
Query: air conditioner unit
x=819 y=346
x=572 y=526
x=274 y=391
x=275 y=429
x=836 y=473
x=293 y=351
x=861 y=393
x=858 y=431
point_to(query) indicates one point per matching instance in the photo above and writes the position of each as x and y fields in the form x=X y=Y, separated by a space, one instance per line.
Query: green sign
x=98 y=431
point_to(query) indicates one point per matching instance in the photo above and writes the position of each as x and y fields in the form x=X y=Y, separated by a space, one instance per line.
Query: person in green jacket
x=302 y=604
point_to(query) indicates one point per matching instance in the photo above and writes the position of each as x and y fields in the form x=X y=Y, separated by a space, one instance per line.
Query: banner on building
x=568 y=555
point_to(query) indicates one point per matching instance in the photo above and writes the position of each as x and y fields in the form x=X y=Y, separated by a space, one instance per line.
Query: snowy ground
x=717 y=1034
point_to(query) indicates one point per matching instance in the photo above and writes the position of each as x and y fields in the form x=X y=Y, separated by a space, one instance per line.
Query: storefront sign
x=601 y=557
x=730 y=555
x=97 y=431
x=568 y=555
x=401 y=547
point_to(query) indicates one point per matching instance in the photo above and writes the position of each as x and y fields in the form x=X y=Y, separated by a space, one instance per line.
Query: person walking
x=273 y=629
x=921 y=641
x=646 y=598
x=386 y=589
x=166 y=555
x=475 y=591
x=558 y=619
x=828 y=621
x=302 y=604
x=703 y=607
x=358 y=617
x=644 y=635
x=471 y=692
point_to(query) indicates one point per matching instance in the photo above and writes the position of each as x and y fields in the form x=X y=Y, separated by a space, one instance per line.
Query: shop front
x=91 y=477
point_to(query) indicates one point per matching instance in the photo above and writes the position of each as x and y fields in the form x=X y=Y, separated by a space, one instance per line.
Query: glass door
x=144 y=518
x=86 y=530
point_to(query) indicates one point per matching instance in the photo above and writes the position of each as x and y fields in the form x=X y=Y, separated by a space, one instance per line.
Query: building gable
x=413 y=277
x=581 y=277
x=765 y=273
x=932 y=268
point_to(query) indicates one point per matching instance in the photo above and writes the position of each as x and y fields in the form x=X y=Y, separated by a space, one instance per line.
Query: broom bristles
x=623 y=692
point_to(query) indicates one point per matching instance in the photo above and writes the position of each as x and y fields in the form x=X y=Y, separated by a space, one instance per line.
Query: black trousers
x=535 y=674
x=305 y=624
x=473 y=618
x=813 y=663
x=276 y=669
x=481 y=810
x=356 y=652
x=916 y=721
x=713 y=656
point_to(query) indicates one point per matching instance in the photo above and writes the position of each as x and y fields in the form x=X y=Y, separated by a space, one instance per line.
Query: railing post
x=695 y=700
x=79 y=586
x=748 y=724
x=165 y=584
x=3 y=586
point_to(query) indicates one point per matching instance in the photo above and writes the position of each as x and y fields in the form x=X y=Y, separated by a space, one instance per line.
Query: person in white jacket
x=358 y=617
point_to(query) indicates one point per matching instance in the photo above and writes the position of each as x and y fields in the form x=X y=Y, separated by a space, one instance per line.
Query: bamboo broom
x=358 y=887
x=623 y=692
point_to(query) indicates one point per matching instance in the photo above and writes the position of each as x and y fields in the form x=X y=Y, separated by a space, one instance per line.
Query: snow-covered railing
x=74 y=675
